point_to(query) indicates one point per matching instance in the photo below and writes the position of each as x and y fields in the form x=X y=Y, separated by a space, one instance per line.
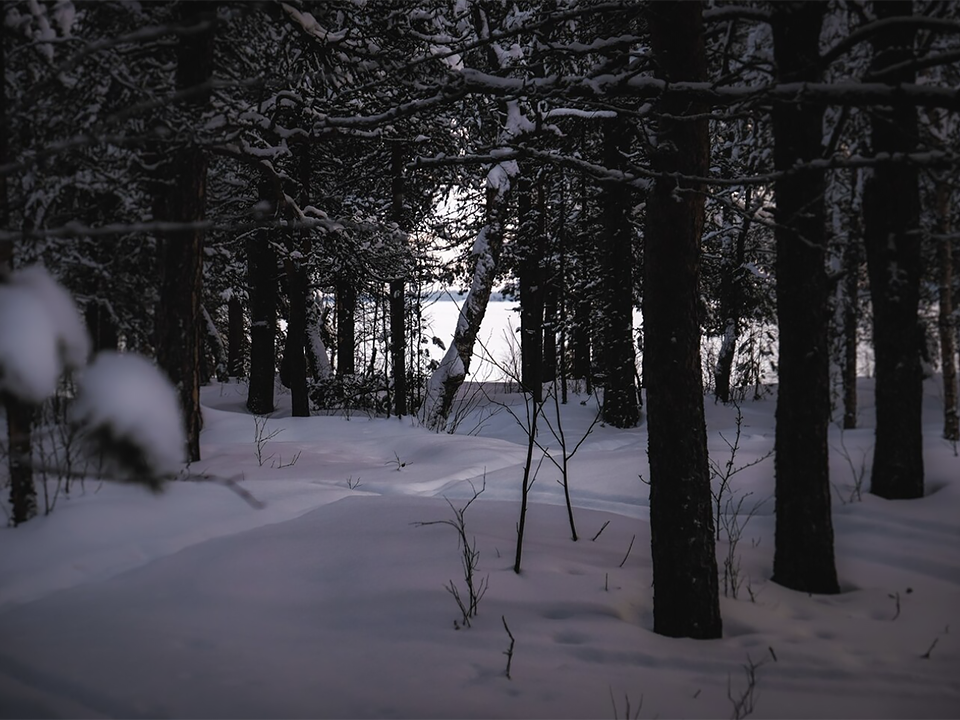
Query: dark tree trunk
x=948 y=339
x=581 y=297
x=530 y=280
x=23 y=494
x=178 y=315
x=851 y=262
x=398 y=295
x=213 y=358
x=891 y=210
x=262 y=283
x=293 y=352
x=102 y=328
x=548 y=289
x=234 y=336
x=803 y=558
x=294 y=359
x=685 y=584
x=731 y=306
x=620 y=407
x=346 y=327
x=850 y=329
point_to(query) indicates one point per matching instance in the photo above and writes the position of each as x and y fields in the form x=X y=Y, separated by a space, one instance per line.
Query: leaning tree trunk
x=685 y=583
x=891 y=210
x=178 y=315
x=620 y=406
x=446 y=380
x=803 y=557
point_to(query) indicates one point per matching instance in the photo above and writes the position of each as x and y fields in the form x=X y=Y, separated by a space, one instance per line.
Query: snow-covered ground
x=330 y=601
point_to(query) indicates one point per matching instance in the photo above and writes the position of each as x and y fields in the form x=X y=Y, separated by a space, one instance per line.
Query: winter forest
x=261 y=457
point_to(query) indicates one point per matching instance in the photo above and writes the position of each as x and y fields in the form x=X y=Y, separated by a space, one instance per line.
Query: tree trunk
x=23 y=493
x=295 y=361
x=803 y=558
x=685 y=583
x=948 y=342
x=262 y=283
x=581 y=296
x=235 y=336
x=731 y=306
x=398 y=296
x=293 y=352
x=851 y=263
x=346 y=327
x=446 y=380
x=530 y=280
x=892 y=239
x=100 y=325
x=213 y=362
x=620 y=407
x=178 y=315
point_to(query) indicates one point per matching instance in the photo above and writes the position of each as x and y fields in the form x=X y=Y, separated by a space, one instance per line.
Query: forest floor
x=330 y=601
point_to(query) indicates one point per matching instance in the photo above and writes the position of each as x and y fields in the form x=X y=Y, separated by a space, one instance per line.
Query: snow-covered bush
x=41 y=335
x=130 y=410
x=124 y=407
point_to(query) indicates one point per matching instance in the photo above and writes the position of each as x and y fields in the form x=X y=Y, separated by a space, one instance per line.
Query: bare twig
x=469 y=558
x=628 y=550
x=509 y=651
x=602 y=528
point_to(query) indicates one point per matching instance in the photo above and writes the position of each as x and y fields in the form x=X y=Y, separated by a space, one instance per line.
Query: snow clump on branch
x=41 y=335
x=130 y=409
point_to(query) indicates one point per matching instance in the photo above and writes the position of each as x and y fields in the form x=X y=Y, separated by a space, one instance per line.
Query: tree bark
x=530 y=280
x=100 y=325
x=685 y=583
x=398 y=294
x=948 y=341
x=620 y=406
x=23 y=493
x=446 y=380
x=731 y=306
x=583 y=256
x=235 y=336
x=803 y=557
x=892 y=240
x=295 y=269
x=346 y=327
x=262 y=284
x=178 y=315
x=851 y=311
x=293 y=351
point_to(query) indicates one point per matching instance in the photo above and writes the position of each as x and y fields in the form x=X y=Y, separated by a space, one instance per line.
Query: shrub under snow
x=130 y=409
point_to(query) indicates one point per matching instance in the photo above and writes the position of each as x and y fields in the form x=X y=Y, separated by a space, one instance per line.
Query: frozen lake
x=494 y=343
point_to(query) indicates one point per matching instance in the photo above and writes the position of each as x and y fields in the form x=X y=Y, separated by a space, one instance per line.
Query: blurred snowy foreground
x=331 y=602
